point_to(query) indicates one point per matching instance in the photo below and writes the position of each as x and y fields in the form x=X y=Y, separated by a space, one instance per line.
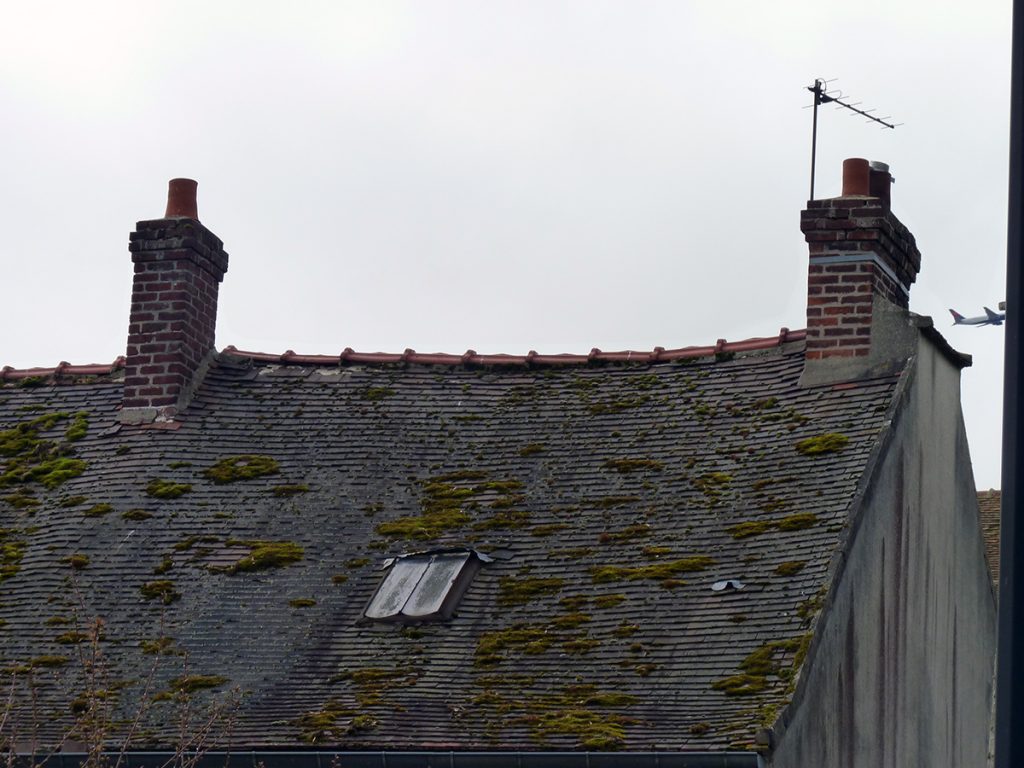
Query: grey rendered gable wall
x=901 y=668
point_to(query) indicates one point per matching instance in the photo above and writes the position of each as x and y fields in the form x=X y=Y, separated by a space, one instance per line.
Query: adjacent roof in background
x=989 y=506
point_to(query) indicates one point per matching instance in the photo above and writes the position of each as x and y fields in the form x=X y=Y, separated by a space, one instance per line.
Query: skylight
x=425 y=586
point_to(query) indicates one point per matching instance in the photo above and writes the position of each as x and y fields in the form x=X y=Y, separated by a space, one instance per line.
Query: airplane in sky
x=989 y=318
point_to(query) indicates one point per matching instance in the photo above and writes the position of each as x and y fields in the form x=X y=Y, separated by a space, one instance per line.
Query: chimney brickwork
x=179 y=265
x=863 y=261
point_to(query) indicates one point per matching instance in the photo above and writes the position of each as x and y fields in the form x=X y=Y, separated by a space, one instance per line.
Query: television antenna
x=826 y=95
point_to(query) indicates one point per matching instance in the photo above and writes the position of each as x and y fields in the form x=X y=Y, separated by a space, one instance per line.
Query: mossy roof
x=617 y=487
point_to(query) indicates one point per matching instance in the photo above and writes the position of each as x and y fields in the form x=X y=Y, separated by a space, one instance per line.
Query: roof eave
x=421 y=759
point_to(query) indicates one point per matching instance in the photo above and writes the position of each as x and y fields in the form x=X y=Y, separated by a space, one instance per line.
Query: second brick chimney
x=179 y=264
x=863 y=261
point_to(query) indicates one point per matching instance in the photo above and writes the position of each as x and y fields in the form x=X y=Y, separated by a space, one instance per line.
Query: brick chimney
x=863 y=261
x=179 y=264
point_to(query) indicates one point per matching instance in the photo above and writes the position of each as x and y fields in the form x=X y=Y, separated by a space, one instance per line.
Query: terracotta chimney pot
x=856 y=177
x=181 y=199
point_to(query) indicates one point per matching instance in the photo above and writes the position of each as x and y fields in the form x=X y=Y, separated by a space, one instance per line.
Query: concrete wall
x=900 y=670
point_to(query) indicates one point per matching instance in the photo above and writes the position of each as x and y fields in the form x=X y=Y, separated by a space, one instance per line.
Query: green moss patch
x=321 y=725
x=21 y=499
x=713 y=485
x=522 y=590
x=749 y=528
x=76 y=561
x=580 y=645
x=289 y=490
x=532 y=449
x=98 y=510
x=625 y=466
x=445 y=498
x=762 y=664
x=608 y=601
x=192 y=683
x=161 y=646
x=24 y=439
x=428 y=526
x=830 y=442
x=547 y=529
x=161 y=590
x=190 y=541
x=167 y=489
x=373 y=683
x=625 y=629
x=657 y=571
x=610 y=502
x=592 y=730
x=525 y=638
x=73 y=501
x=47 y=662
x=245 y=467
x=656 y=552
x=510 y=519
x=136 y=515
x=570 y=553
x=71 y=637
x=32 y=458
x=302 y=602
x=12 y=550
x=49 y=473
x=629 y=533
x=808 y=609
x=265 y=554
x=78 y=428
x=791 y=568
x=571 y=620
x=797 y=522
x=376 y=394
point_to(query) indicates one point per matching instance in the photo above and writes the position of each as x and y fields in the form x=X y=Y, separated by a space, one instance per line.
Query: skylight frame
x=423 y=586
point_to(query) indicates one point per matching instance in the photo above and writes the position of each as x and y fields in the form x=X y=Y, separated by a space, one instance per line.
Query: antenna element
x=821 y=96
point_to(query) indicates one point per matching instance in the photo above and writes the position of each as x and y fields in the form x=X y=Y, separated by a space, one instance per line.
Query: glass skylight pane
x=397 y=586
x=433 y=588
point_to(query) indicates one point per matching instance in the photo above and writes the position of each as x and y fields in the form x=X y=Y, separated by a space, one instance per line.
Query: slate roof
x=612 y=496
x=989 y=508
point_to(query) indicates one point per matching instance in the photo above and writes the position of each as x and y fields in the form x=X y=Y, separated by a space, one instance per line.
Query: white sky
x=501 y=176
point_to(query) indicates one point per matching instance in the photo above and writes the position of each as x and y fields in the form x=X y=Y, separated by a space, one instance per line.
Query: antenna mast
x=821 y=96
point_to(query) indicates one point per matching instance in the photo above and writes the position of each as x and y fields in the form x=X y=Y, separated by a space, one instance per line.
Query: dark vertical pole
x=814 y=131
x=1010 y=663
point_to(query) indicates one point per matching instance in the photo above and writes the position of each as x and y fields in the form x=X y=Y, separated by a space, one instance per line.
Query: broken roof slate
x=615 y=494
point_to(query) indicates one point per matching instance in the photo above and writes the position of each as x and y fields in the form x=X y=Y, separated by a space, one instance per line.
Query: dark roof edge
x=432 y=759
x=837 y=564
x=471 y=357
x=960 y=359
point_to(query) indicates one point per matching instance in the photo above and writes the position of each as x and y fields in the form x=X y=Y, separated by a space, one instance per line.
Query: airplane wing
x=993 y=317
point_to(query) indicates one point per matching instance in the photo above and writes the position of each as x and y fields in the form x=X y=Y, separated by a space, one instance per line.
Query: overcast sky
x=501 y=176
